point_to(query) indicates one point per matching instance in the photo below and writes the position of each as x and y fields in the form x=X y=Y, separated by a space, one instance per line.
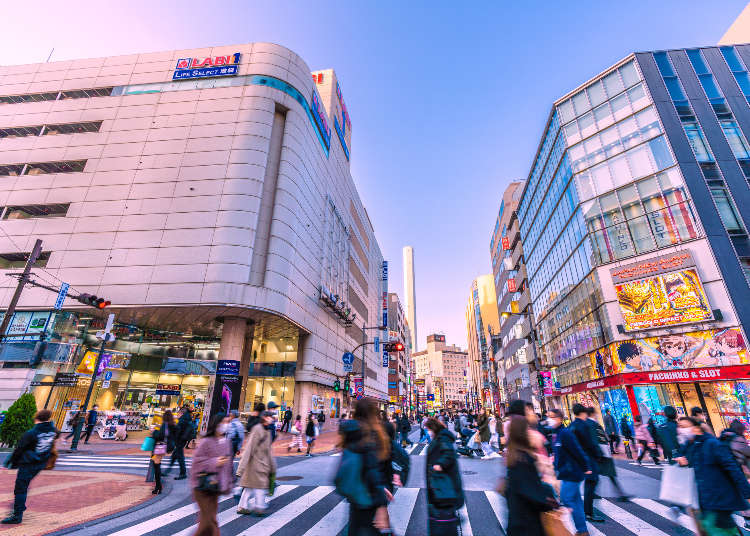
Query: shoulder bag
x=208 y=483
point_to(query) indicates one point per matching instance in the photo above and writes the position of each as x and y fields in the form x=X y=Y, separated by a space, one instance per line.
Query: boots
x=12 y=519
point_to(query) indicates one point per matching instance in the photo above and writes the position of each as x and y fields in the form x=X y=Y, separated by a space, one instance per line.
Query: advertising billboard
x=671 y=293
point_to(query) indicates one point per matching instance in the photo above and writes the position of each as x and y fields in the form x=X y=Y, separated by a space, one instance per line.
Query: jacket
x=642 y=433
x=739 y=447
x=288 y=415
x=257 y=462
x=91 y=417
x=252 y=420
x=236 y=434
x=527 y=497
x=609 y=425
x=372 y=475
x=184 y=429
x=205 y=460
x=404 y=425
x=483 y=426
x=721 y=484
x=627 y=433
x=571 y=461
x=441 y=452
x=585 y=433
x=165 y=434
x=35 y=446
x=668 y=437
x=310 y=428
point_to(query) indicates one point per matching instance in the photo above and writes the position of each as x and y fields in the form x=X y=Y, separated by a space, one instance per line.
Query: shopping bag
x=148 y=444
x=678 y=486
x=472 y=444
x=553 y=523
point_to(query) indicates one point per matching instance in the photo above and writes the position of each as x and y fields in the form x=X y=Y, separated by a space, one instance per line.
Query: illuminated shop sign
x=506 y=243
x=188 y=68
x=320 y=118
x=664 y=291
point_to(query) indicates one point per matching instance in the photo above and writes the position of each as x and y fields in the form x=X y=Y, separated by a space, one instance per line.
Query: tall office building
x=634 y=221
x=410 y=295
x=441 y=370
x=207 y=193
x=482 y=322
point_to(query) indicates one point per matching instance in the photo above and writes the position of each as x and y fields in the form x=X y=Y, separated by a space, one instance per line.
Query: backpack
x=400 y=462
x=350 y=482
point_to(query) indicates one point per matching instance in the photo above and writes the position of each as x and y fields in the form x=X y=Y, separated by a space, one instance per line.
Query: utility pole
x=19 y=288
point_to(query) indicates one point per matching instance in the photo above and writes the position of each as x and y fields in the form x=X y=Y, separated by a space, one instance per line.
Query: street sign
x=104 y=336
x=108 y=375
x=377 y=344
x=348 y=368
x=110 y=323
x=347 y=358
x=66 y=379
x=61 y=296
x=105 y=384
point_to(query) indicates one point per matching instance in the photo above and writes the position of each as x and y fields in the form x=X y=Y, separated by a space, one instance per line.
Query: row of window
x=40 y=168
x=49 y=130
x=57 y=95
x=22 y=212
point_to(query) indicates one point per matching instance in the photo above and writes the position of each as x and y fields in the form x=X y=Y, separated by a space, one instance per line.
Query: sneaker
x=244 y=511
x=12 y=519
x=595 y=518
x=258 y=513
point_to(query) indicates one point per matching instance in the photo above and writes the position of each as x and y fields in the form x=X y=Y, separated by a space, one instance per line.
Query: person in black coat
x=183 y=434
x=526 y=494
x=722 y=487
x=91 y=422
x=585 y=433
x=667 y=433
x=165 y=434
x=445 y=493
x=30 y=456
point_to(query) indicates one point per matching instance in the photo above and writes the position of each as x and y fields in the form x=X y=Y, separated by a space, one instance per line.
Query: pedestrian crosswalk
x=109 y=462
x=319 y=511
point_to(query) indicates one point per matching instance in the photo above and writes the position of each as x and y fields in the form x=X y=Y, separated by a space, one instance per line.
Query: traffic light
x=337 y=385
x=391 y=347
x=540 y=380
x=346 y=384
x=93 y=301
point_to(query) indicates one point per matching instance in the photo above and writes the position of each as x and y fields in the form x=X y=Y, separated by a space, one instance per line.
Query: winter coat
x=165 y=434
x=204 y=461
x=668 y=437
x=609 y=425
x=585 y=433
x=527 y=498
x=92 y=416
x=372 y=469
x=257 y=462
x=184 y=429
x=739 y=447
x=571 y=461
x=721 y=484
x=441 y=452
x=627 y=433
x=35 y=446
x=288 y=415
x=404 y=425
x=483 y=426
x=642 y=433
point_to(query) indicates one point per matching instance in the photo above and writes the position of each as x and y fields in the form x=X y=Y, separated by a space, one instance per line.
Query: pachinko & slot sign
x=209 y=67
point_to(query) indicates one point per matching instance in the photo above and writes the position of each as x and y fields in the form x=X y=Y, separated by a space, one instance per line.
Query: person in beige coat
x=255 y=468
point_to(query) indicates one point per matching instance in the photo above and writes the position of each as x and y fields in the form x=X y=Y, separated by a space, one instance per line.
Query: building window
x=42 y=130
x=727 y=210
x=21 y=212
x=18 y=260
x=56 y=95
x=745 y=263
x=698 y=142
x=40 y=168
x=738 y=70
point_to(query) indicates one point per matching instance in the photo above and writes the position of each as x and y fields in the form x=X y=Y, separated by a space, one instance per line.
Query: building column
x=247 y=358
x=232 y=338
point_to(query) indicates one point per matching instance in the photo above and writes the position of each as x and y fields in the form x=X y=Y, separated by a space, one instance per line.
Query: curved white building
x=206 y=193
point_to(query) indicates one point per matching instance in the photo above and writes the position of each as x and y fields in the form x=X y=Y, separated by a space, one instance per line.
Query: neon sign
x=320 y=118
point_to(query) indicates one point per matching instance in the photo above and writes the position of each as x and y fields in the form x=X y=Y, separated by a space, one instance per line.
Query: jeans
x=25 y=475
x=424 y=435
x=179 y=455
x=589 y=487
x=285 y=426
x=89 y=430
x=570 y=496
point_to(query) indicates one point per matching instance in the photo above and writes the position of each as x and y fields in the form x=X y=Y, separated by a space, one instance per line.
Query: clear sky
x=447 y=102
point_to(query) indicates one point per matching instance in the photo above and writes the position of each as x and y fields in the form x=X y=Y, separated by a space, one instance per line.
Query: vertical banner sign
x=61 y=296
x=227 y=386
x=384 y=279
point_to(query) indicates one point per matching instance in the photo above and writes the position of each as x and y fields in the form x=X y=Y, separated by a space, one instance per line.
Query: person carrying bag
x=444 y=490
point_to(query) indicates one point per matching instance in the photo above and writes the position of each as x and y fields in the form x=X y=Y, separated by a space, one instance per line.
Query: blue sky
x=447 y=102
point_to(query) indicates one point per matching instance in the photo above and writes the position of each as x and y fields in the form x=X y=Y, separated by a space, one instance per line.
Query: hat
x=272 y=405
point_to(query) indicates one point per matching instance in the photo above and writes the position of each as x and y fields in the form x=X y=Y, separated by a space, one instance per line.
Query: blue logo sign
x=377 y=344
x=228 y=367
x=347 y=358
x=61 y=296
x=108 y=375
x=189 y=68
x=386 y=358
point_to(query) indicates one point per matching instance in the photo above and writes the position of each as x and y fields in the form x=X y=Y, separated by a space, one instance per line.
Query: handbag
x=208 y=483
x=160 y=449
x=678 y=486
x=553 y=524
x=52 y=458
x=148 y=444
x=271 y=484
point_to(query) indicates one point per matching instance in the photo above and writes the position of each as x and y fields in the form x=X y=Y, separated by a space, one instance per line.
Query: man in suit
x=287 y=420
x=585 y=433
x=91 y=422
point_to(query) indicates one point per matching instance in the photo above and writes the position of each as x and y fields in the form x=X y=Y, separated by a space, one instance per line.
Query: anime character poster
x=709 y=348
x=663 y=300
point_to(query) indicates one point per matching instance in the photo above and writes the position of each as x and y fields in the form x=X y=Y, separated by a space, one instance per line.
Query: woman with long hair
x=444 y=490
x=164 y=442
x=311 y=431
x=526 y=494
x=211 y=473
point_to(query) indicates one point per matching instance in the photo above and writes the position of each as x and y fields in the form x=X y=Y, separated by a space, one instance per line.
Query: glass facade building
x=648 y=159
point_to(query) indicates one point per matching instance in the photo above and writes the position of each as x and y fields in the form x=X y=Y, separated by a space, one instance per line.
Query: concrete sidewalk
x=60 y=499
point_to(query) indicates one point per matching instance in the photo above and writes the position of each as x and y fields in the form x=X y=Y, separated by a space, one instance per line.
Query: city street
x=305 y=502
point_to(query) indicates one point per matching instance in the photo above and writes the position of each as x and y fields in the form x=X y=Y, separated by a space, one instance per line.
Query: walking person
x=572 y=465
x=91 y=422
x=75 y=420
x=645 y=441
x=30 y=456
x=211 y=474
x=526 y=494
x=183 y=434
x=444 y=490
x=627 y=434
x=360 y=477
x=164 y=443
x=321 y=420
x=668 y=434
x=585 y=434
x=256 y=466
x=483 y=428
x=404 y=429
x=235 y=433
x=296 y=431
x=286 y=423
x=722 y=486
x=611 y=430
x=606 y=464
x=424 y=437
x=311 y=433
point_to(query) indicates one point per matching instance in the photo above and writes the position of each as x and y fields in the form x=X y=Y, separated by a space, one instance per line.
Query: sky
x=447 y=101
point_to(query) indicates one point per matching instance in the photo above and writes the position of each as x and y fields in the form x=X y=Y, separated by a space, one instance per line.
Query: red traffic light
x=101 y=303
x=93 y=301
x=399 y=347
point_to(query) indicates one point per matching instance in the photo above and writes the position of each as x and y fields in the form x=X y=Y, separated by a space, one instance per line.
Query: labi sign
x=189 y=68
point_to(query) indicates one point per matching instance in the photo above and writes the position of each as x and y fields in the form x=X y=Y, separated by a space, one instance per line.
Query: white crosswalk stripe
x=318 y=511
x=110 y=462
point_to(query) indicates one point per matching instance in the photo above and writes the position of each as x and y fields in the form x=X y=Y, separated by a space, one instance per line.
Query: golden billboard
x=663 y=300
